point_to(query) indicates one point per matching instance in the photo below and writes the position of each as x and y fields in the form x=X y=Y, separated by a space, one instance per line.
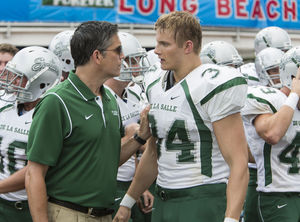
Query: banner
x=226 y=13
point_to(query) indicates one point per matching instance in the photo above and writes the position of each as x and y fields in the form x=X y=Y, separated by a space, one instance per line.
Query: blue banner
x=226 y=13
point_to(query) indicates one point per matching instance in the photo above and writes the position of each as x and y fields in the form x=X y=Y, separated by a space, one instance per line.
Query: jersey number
x=172 y=143
x=292 y=159
x=10 y=154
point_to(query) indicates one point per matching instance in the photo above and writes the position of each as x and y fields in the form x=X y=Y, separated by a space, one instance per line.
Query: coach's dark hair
x=90 y=36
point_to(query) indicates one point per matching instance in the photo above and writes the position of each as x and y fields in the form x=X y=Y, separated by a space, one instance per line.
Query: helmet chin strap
x=138 y=79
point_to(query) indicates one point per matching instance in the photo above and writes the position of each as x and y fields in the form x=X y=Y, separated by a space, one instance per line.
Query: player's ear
x=188 y=46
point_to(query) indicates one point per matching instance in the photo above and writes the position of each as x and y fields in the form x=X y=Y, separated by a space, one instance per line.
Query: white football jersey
x=277 y=165
x=14 y=130
x=181 y=119
x=248 y=70
x=130 y=108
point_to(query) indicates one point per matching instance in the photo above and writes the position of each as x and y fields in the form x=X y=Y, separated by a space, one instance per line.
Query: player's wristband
x=127 y=201
x=292 y=100
x=228 y=219
x=139 y=139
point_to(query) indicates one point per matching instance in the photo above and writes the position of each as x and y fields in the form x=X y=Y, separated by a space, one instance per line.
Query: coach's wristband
x=228 y=219
x=127 y=201
x=292 y=100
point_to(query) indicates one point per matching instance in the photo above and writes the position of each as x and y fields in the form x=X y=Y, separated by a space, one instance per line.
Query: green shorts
x=191 y=204
x=136 y=214
x=250 y=206
x=279 y=207
x=14 y=211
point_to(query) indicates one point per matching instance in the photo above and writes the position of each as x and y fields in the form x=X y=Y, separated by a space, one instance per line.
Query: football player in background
x=60 y=46
x=267 y=63
x=220 y=53
x=130 y=97
x=257 y=73
x=26 y=78
x=194 y=108
x=275 y=143
x=7 y=52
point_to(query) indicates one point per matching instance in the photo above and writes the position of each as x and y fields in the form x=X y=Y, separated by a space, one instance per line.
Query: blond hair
x=184 y=26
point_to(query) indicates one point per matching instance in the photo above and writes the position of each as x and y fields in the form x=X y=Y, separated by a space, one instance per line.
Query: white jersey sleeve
x=262 y=100
x=222 y=91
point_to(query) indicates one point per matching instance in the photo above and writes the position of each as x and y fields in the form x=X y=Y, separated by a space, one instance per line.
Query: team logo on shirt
x=115 y=112
x=14 y=129
x=165 y=107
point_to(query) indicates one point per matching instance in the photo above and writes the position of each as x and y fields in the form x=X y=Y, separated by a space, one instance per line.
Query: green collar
x=83 y=90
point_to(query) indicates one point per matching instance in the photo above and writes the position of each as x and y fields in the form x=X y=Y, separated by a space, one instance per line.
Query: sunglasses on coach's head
x=117 y=50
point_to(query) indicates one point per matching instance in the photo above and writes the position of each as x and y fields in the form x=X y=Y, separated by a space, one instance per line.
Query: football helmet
x=135 y=62
x=31 y=72
x=152 y=57
x=289 y=65
x=272 y=37
x=249 y=72
x=267 y=59
x=60 y=46
x=220 y=53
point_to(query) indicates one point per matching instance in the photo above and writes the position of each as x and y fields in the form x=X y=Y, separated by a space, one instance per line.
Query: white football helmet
x=249 y=72
x=272 y=37
x=289 y=65
x=60 y=46
x=135 y=59
x=152 y=57
x=266 y=59
x=220 y=53
x=31 y=72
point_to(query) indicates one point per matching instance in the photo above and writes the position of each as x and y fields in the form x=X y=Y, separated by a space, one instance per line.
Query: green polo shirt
x=79 y=141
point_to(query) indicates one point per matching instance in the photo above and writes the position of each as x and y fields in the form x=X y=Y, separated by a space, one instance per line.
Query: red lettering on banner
x=272 y=13
x=123 y=8
x=190 y=6
x=290 y=10
x=257 y=11
x=240 y=6
x=223 y=8
x=167 y=6
x=146 y=9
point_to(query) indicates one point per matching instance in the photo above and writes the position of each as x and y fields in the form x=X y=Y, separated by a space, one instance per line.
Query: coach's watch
x=139 y=139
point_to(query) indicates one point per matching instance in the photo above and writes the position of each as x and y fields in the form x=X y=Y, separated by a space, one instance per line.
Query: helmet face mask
x=135 y=63
x=272 y=37
x=289 y=65
x=267 y=64
x=221 y=53
x=31 y=72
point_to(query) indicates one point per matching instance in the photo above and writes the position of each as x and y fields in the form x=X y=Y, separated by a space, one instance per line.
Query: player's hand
x=144 y=131
x=123 y=214
x=147 y=204
x=131 y=129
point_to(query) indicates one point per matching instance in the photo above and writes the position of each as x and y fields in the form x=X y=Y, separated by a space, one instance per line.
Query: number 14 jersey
x=181 y=119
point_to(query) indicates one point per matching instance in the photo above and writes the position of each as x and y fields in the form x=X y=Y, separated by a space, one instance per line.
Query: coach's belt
x=94 y=212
